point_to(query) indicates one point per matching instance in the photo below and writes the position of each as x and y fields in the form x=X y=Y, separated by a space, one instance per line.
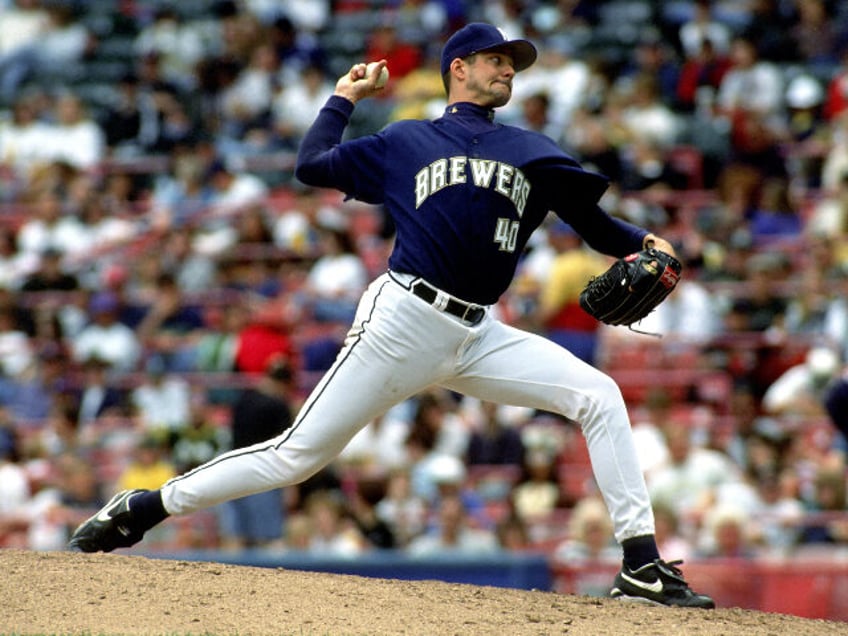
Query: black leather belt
x=466 y=311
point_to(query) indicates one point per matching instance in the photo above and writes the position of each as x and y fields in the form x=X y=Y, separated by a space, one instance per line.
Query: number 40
x=506 y=234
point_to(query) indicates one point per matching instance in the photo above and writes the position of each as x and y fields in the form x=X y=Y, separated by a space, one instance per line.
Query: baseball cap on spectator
x=447 y=469
x=103 y=302
x=561 y=228
x=804 y=91
x=479 y=36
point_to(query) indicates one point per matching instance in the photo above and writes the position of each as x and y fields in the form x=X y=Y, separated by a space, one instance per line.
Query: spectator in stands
x=233 y=190
x=49 y=227
x=384 y=42
x=15 y=266
x=538 y=492
x=293 y=228
x=105 y=337
x=774 y=220
x=202 y=438
x=121 y=119
x=150 y=466
x=449 y=477
x=334 y=533
x=494 y=441
x=701 y=27
x=835 y=166
x=260 y=412
x=751 y=98
x=727 y=535
x=691 y=314
x=379 y=445
x=97 y=395
x=216 y=348
x=826 y=525
x=181 y=195
x=648 y=168
x=751 y=85
x=559 y=312
x=50 y=275
x=513 y=534
x=295 y=48
x=161 y=402
x=106 y=229
x=403 y=510
x=816 y=36
x=177 y=43
x=22 y=25
x=65 y=498
x=295 y=104
x=596 y=143
x=172 y=326
x=536 y=115
x=800 y=390
x=367 y=493
x=420 y=94
x=563 y=78
x=669 y=538
x=688 y=482
x=700 y=78
x=266 y=334
x=590 y=538
x=436 y=411
x=453 y=534
x=829 y=215
x=809 y=311
x=760 y=309
x=16 y=351
x=68 y=41
x=770 y=26
x=645 y=117
x=807 y=130
x=778 y=514
x=60 y=433
x=23 y=139
x=233 y=193
x=338 y=277
x=14 y=488
x=75 y=138
x=164 y=109
x=245 y=104
x=836 y=100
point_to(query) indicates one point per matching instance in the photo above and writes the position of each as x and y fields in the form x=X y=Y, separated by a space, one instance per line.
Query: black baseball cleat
x=659 y=583
x=110 y=528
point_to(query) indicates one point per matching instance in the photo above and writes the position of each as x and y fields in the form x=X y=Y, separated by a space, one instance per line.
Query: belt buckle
x=441 y=301
x=473 y=309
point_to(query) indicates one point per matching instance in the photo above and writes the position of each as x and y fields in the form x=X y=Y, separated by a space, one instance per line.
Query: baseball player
x=465 y=193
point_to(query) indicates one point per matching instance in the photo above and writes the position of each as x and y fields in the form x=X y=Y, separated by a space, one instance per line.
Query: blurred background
x=168 y=290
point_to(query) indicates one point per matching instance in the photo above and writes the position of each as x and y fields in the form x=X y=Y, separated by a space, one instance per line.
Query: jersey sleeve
x=354 y=167
x=573 y=193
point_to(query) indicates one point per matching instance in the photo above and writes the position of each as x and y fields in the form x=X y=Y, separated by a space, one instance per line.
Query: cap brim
x=522 y=52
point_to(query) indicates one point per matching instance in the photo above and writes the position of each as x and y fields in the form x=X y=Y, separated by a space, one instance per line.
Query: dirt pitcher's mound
x=69 y=593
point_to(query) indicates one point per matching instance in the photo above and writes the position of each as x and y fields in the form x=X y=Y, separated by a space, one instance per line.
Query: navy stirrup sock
x=639 y=551
x=147 y=509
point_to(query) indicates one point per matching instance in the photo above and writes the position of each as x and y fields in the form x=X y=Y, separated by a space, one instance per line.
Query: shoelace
x=670 y=568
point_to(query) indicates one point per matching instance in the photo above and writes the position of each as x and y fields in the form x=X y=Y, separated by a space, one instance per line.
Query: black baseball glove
x=631 y=288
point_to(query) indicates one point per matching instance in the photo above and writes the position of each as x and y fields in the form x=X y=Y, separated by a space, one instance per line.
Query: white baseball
x=384 y=74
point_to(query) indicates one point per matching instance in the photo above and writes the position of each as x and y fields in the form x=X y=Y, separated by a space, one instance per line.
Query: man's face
x=490 y=76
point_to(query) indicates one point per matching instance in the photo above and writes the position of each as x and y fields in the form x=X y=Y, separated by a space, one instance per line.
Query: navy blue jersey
x=465 y=193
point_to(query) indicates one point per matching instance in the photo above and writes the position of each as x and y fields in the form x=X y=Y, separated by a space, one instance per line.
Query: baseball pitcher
x=465 y=193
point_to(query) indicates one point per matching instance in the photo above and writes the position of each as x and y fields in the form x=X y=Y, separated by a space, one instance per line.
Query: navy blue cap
x=479 y=36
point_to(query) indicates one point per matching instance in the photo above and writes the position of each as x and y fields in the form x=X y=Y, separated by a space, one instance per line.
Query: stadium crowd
x=168 y=290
